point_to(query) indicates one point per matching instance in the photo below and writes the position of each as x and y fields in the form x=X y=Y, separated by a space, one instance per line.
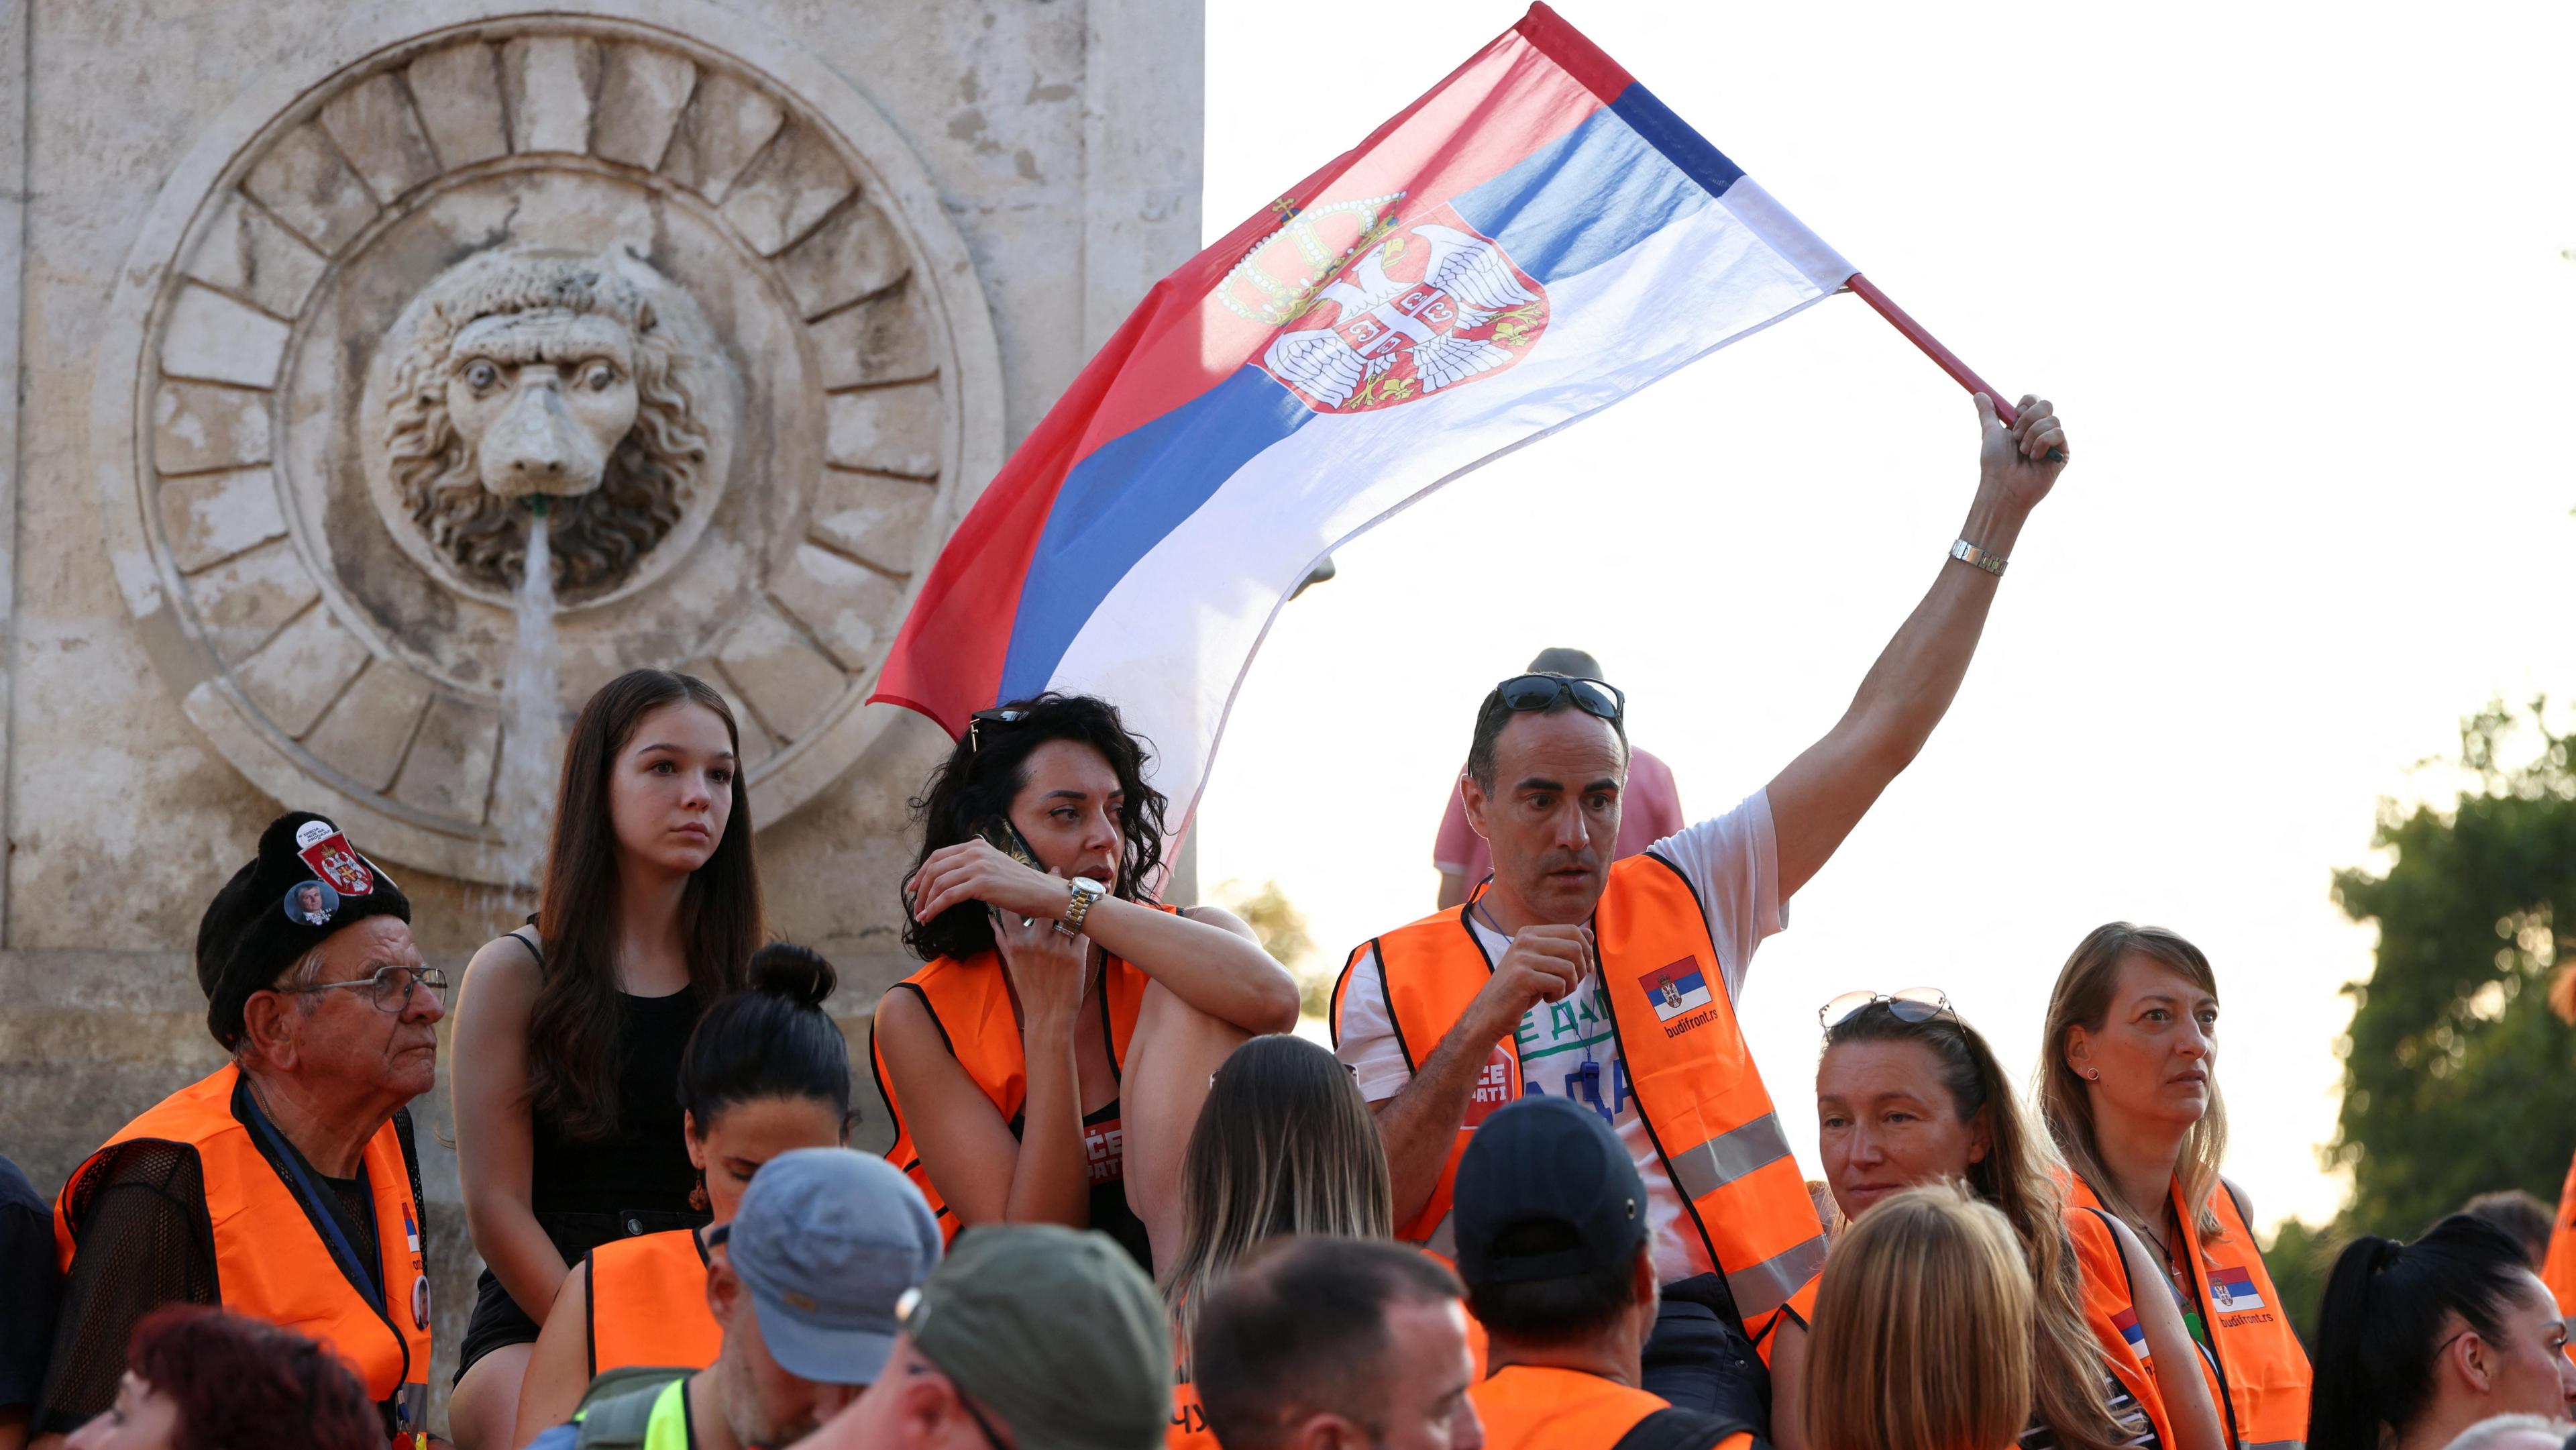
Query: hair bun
x=797 y=973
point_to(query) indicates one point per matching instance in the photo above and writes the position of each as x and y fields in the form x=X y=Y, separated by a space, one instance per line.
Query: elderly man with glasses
x=285 y=1186
x=1613 y=982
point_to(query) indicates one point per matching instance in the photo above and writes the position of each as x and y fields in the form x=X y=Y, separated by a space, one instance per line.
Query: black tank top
x=637 y=1179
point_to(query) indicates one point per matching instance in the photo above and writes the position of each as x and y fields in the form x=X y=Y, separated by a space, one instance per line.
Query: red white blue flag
x=1529 y=243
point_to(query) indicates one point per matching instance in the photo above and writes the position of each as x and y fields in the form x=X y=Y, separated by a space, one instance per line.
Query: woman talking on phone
x=1048 y=1064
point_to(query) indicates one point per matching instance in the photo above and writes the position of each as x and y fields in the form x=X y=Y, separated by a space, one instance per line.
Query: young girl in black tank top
x=569 y=1031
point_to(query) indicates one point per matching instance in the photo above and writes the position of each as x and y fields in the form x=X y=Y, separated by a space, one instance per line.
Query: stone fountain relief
x=739 y=358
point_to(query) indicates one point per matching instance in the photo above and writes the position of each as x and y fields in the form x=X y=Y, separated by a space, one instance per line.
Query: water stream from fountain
x=523 y=799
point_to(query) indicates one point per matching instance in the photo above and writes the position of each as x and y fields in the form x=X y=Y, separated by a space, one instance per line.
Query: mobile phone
x=1004 y=837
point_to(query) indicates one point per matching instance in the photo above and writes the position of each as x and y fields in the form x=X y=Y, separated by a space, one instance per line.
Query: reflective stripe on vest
x=970 y=1003
x=1693 y=1078
x=648 y=1303
x=2257 y=1371
x=2559 y=1271
x=269 y=1262
x=2111 y=1312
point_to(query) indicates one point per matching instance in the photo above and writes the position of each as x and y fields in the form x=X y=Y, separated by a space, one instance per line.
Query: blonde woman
x=1922 y=1338
x=2129 y=1089
x=1907 y=1093
x=1284 y=1145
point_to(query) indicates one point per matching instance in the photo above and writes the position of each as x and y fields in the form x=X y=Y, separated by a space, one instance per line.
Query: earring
x=698 y=1193
x=2093 y=1077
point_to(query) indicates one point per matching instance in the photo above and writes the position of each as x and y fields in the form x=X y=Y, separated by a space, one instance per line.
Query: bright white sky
x=2293 y=278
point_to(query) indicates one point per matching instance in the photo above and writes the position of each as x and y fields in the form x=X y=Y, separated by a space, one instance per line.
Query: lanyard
x=315 y=1203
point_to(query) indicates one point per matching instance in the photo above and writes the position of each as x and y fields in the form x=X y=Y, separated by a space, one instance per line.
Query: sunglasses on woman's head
x=1912 y=1004
x=1523 y=693
x=983 y=720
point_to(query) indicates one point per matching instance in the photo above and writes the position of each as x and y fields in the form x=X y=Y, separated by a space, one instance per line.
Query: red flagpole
x=1915 y=333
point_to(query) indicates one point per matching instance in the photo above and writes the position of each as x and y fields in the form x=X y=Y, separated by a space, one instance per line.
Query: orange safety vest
x=2256 y=1369
x=970 y=1003
x=2559 y=1271
x=648 y=1303
x=2111 y=1309
x=1689 y=1069
x=1533 y=1407
x=270 y=1263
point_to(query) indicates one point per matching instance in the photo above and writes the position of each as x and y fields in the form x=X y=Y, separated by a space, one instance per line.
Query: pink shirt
x=1649 y=810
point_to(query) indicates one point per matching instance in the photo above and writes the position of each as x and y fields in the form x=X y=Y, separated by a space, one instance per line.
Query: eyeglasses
x=905 y=1309
x=1542 y=691
x=1912 y=1004
x=976 y=723
x=389 y=989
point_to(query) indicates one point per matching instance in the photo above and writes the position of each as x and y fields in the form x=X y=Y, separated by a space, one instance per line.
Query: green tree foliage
x=2455 y=1070
x=1282 y=930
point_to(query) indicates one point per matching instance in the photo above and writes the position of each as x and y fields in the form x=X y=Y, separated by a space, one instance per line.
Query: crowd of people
x=1535 y=1196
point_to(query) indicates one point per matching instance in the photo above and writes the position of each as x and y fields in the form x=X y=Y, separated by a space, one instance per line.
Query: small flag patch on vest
x=2231 y=1291
x=2126 y=1321
x=1675 y=989
x=411 y=1231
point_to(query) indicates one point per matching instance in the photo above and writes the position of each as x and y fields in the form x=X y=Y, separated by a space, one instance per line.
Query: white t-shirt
x=1733 y=862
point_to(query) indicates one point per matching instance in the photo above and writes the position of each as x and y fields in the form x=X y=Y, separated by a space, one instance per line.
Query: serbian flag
x=1529 y=243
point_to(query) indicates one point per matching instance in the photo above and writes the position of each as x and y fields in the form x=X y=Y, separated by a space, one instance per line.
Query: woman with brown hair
x=1907 y=1093
x=197 y=1378
x=1284 y=1145
x=2128 y=1086
x=1923 y=1329
x=1047 y=1066
x=567 y=1044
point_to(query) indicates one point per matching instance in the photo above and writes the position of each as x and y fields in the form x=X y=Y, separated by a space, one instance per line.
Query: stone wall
x=904 y=225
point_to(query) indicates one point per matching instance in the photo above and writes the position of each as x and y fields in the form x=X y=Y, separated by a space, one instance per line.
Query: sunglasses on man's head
x=1523 y=693
x=1909 y=1004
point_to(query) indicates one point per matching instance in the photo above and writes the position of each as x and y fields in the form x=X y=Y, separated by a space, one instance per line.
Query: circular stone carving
x=704 y=298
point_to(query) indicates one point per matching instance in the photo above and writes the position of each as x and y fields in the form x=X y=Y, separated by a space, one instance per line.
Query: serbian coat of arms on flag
x=1676 y=989
x=1415 y=306
x=2232 y=1291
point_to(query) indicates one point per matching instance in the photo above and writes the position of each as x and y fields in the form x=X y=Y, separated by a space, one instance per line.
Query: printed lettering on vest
x=1678 y=991
x=1493 y=1088
x=1104 y=1151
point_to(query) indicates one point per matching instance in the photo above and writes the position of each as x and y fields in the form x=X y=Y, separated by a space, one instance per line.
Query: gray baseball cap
x=1057 y=1330
x=828 y=1240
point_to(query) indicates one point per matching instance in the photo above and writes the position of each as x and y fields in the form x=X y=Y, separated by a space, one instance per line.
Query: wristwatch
x=1967 y=553
x=1077 y=906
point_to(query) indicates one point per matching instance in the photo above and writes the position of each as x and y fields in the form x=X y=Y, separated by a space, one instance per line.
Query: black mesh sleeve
x=141 y=1239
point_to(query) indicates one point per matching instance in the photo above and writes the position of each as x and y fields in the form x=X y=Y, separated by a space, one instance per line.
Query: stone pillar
x=852 y=254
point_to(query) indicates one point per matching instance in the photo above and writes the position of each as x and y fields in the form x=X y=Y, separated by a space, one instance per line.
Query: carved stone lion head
x=528 y=373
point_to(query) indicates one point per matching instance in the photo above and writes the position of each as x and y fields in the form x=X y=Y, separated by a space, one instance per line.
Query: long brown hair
x=2082 y=998
x=574 y=1055
x=1923 y=1329
x=2018 y=1176
x=1284 y=1145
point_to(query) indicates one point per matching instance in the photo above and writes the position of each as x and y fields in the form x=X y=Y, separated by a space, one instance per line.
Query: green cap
x=1054 y=1328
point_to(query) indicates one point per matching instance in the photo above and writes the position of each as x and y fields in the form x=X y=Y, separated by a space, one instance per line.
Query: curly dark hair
x=987 y=771
x=238 y=1381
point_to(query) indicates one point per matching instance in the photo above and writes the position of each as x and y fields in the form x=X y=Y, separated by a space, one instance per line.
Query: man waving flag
x=1532 y=241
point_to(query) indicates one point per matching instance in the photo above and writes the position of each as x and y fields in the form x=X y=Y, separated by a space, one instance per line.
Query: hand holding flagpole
x=1965 y=375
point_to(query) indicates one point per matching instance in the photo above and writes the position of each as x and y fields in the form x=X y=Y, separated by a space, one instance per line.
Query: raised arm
x=1822 y=794
x=1204 y=957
